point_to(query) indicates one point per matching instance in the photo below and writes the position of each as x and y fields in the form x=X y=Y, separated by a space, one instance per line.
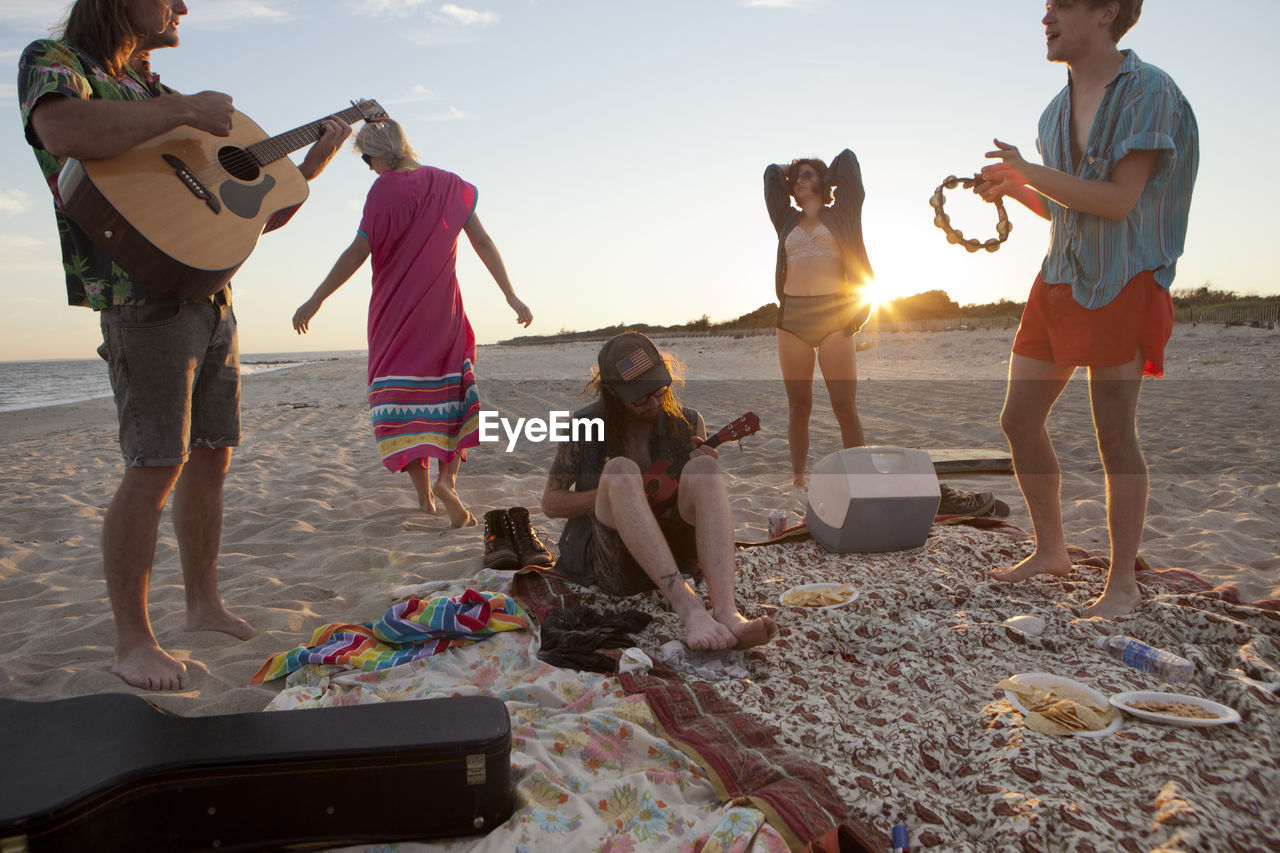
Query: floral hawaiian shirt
x=50 y=67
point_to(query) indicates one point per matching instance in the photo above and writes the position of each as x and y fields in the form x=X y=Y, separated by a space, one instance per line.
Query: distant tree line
x=930 y=305
x=1205 y=296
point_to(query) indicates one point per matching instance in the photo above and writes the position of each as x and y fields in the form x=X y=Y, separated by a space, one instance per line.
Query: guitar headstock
x=371 y=111
x=744 y=426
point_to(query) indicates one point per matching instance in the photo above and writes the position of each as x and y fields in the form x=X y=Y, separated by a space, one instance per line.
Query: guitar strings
x=257 y=155
x=250 y=159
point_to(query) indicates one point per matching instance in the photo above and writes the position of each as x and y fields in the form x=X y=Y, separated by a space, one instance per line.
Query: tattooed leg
x=621 y=504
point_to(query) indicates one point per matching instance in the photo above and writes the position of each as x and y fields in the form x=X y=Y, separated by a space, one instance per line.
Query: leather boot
x=499 y=548
x=529 y=547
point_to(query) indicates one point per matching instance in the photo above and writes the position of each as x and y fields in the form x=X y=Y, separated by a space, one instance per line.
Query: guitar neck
x=683 y=459
x=717 y=439
x=272 y=149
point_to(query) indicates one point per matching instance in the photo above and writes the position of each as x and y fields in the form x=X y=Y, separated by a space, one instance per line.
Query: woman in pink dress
x=422 y=390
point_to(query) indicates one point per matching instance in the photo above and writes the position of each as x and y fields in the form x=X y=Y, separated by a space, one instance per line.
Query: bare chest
x=1084 y=107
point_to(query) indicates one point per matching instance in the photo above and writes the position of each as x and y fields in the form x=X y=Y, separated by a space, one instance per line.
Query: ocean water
x=31 y=384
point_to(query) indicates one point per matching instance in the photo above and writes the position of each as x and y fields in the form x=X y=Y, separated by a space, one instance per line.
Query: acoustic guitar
x=183 y=210
x=662 y=478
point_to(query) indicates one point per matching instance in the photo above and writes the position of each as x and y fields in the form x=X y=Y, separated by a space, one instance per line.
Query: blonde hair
x=385 y=139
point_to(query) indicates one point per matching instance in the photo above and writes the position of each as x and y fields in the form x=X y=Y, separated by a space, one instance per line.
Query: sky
x=618 y=146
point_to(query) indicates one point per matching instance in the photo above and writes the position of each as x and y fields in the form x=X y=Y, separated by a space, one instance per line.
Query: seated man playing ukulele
x=612 y=538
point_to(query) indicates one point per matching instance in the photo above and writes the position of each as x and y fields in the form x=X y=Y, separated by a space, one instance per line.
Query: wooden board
x=970 y=460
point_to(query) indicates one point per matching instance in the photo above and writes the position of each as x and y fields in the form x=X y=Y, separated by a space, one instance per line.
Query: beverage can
x=777 y=523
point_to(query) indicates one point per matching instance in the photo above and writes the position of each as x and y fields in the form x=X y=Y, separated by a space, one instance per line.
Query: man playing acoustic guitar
x=612 y=538
x=174 y=363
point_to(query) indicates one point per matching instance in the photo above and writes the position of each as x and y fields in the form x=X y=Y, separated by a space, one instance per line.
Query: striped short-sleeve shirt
x=1142 y=109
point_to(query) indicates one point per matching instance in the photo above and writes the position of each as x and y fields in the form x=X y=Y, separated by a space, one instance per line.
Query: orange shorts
x=1139 y=320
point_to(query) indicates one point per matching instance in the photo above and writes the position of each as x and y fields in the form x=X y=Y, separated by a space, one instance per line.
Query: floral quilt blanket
x=893 y=699
x=593 y=772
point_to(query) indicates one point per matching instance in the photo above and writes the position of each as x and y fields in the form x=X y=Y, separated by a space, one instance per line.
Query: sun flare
x=881 y=293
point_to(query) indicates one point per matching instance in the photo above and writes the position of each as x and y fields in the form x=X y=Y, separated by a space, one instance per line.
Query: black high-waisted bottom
x=813 y=318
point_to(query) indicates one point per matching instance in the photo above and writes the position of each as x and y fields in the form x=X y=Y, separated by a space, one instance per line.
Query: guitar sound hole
x=239 y=163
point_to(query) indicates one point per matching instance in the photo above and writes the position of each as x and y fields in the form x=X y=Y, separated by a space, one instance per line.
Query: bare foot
x=220 y=620
x=800 y=482
x=1036 y=564
x=1113 y=603
x=704 y=633
x=749 y=632
x=151 y=668
x=459 y=515
x=419 y=475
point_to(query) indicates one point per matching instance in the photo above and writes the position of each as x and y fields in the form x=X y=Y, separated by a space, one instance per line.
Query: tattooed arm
x=559 y=500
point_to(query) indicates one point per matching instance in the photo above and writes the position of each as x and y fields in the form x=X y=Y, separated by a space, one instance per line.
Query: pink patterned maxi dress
x=422 y=389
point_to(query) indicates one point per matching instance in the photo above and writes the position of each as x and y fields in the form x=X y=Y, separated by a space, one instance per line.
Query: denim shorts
x=175 y=371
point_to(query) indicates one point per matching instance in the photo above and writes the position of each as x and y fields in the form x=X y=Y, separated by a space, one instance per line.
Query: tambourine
x=1003 y=225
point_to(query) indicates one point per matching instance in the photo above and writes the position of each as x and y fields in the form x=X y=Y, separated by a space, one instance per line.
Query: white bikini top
x=820 y=244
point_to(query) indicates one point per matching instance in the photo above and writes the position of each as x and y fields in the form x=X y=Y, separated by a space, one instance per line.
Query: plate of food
x=1175 y=709
x=821 y=596
x=1054 y=705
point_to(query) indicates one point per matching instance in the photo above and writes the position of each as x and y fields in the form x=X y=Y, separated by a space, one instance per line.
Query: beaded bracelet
x=1003 y=225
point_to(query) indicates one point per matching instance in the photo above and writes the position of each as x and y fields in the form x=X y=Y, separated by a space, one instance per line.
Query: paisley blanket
x=893 y=699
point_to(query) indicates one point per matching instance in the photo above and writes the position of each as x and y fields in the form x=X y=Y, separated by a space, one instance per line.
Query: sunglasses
x=368 y=161
x=656 y=395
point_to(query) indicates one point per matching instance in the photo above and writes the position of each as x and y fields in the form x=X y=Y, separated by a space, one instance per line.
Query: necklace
x=940 y=219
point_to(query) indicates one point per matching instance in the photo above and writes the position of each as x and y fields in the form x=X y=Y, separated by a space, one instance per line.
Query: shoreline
x=250 y=365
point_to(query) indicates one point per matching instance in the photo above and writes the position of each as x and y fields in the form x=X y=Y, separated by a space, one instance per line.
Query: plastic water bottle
x=1139 y=655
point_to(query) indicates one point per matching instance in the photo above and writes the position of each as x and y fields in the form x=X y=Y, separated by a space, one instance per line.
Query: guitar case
x=112 y=772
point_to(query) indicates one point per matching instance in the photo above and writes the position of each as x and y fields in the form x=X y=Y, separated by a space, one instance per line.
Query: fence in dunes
x=1262 y=315
x=940 y=324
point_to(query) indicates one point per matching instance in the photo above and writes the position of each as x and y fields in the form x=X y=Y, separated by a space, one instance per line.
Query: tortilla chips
x=817 y=597
x=1175 y=709
x=1060 y=710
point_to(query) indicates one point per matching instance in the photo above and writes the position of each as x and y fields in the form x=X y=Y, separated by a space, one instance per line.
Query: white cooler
x=872 y=499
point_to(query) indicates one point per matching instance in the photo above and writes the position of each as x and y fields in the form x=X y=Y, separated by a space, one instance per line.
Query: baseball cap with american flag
x=632 y=366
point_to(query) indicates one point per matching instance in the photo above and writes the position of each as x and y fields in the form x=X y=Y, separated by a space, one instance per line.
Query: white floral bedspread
x=591 y=772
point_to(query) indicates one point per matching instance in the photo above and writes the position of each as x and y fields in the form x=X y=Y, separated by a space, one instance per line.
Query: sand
x=316 y=530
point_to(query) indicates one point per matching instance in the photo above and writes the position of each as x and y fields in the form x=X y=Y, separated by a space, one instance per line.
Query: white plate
x=817 y=586
x=1046 y=680
x=1223 y=714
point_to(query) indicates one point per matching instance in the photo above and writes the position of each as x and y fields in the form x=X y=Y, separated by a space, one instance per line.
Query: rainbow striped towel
x=410 y=630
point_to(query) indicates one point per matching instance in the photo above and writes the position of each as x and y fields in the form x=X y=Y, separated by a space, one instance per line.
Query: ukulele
x=662 y=478
x=183 y=210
